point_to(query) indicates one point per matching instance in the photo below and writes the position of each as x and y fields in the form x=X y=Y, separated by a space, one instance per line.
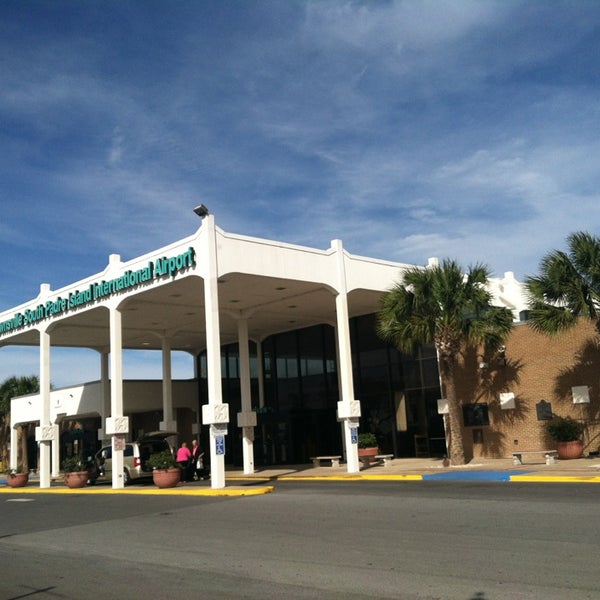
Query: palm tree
x=10 y=388
x=568 y=286
x=443 y=305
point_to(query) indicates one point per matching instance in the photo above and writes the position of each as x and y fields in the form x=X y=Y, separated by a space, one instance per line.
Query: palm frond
x=568 y=285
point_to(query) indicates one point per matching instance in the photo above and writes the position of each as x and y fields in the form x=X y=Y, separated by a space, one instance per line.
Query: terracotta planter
x=166 y=478
x=368 y=454
x=16 y=480
x=77 y=479
x=569 y=450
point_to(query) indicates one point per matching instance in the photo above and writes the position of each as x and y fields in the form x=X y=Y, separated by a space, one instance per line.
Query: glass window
x=475 y=414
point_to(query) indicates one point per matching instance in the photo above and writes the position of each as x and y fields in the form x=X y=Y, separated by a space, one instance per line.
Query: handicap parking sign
x=220 y=444
x=354 y=435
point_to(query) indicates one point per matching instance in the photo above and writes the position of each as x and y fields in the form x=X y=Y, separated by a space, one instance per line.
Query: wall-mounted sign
x=163 y=267
x=543 y=410
x=581 y=394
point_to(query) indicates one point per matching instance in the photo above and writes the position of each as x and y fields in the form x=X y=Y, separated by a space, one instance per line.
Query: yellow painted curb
x=227 y=491
x=557 y=478
x=351 y=477
x=343 y=477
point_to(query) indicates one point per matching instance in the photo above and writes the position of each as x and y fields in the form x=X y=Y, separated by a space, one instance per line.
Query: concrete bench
x=335 y=460
x=386 y=459
x=549 y=455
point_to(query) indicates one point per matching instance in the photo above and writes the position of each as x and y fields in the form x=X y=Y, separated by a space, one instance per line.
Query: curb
x=556 y=478
x=91 y=490
x=473 y=476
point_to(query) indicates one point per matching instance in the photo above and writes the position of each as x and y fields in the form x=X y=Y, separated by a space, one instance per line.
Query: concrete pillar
x=14 y=447
x=261 y=397
x=168 y=423
x=215 y=413
x=104 y=379
x=247 y=418
x=117 y=425
x=348 y=407
x=46 y=433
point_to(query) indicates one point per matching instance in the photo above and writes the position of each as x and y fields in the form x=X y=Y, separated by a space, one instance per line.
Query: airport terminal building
x=287 y=362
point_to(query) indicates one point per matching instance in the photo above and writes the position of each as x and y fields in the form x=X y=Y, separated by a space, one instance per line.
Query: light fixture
x=201 y=211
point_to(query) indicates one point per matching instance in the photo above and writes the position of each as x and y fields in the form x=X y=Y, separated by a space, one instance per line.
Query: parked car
x=136 y=455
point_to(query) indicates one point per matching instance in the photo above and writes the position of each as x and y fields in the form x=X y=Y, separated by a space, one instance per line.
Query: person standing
x=183 y=458
x=197 y=462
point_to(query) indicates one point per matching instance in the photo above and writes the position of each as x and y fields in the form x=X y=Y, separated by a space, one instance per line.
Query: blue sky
x=463 y=129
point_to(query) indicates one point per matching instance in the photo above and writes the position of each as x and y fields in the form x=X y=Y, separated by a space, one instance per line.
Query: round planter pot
x=77 y=479
x=569 y=450
x=368 y=454
x=166 y=478
x=16 y=480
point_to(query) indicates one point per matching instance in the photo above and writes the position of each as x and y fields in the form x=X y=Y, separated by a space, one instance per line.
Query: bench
x=386 y=459
x=335 y=460
x=549 y=455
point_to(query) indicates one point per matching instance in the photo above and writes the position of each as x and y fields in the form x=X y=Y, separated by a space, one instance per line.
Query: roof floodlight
x=201 y=211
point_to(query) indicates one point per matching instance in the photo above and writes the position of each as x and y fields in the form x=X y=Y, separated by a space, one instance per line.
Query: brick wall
x=537 y=368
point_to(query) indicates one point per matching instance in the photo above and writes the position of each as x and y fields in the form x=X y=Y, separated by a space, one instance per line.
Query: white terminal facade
x=199 y=295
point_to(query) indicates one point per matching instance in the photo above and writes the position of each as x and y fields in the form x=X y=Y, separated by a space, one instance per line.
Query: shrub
x=74 y=464
x=564 y=429
x=367 y=440
x=162 y=460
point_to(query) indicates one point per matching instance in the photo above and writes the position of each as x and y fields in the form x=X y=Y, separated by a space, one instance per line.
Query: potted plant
x=17 y=477
x=368 y=447
x=75 y=472
x=566 y=432
x=165 y=472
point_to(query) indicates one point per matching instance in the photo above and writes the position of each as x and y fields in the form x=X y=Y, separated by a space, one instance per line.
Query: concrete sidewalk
x=582 y=470
x=423 y=469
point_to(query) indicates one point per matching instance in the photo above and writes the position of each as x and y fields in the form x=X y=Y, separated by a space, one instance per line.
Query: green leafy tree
x=10 y=388
x=443 y=305
x=568 y=286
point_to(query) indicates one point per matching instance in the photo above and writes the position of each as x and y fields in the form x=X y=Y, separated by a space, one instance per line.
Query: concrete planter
x=16 y=480
x=76 y=479
x=368 y=454
x=166 y=478
x=569 y=450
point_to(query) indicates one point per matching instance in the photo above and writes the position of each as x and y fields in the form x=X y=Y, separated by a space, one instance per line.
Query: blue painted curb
x=475 y=475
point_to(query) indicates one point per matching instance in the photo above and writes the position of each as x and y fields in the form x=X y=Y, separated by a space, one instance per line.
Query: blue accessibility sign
x=220 y=444
x=354 y=435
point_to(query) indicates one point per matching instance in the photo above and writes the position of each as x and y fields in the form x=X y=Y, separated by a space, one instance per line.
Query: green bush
x=73 y=464
x=564 y=429
x=367 y=440
x=161 y=460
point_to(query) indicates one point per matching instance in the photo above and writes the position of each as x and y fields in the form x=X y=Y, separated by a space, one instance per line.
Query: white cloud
x=407 y=129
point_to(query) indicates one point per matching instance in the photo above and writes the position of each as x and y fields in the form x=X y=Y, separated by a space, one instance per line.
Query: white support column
x=215 y=413
x=14 y=447
x=117 y=425
x=261 y=375
x=261 y=397
x=55 y=453
x=168 y=423
x=46 y=433
x=348 y=408
x=247 y=418
x=104 y=379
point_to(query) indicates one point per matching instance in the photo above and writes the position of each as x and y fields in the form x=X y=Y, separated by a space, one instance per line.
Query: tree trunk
x=456 y=446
